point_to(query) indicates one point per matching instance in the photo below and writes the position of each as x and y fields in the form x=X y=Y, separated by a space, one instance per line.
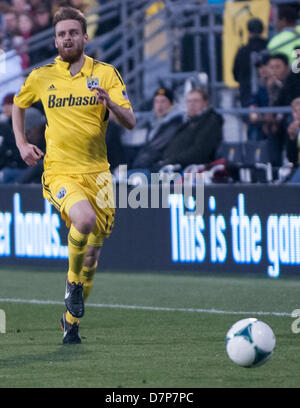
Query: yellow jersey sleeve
x=29 y=93
x=117 y=90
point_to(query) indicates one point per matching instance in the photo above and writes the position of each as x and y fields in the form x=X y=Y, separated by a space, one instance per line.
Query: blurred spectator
x=35 y=126
x=279 y=69
x=4 y=7
x=35 y=4
x=10 y=22
x=107 y=22
x=20 y=5
x=87 y=7
x=34 y=130
x=259 y=99
x=11 y=163
x=43 y=21
x=270 y=126
x=289 y=33
x=7 y=104
x=12 y=167
x=273 y=72
x=242 y=69
x=42 y=17
x=26 y=30
x=11 y=78
x=263 y=70
x=160 y=129
x=26 y=25
x=273 y=124
x=290 y=89
x=197 y=139
x=115 y=149
x=56 y=4
x=293 y=140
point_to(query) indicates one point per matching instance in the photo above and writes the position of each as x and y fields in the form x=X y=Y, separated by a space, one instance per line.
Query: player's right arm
x=27 y=96
x=29 y=153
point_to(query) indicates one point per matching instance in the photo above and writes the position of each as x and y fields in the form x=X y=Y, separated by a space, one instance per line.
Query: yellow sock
x=87 y=278
x=77 y=244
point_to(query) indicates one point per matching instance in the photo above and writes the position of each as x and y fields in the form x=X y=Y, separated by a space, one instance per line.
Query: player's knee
x=86 y=222
x=83 y=217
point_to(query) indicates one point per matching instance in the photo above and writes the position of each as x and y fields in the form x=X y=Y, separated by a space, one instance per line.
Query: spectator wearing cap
x=242 y=68
x=160 y=129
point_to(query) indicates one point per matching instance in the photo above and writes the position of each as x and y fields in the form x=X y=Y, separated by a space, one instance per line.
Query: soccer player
x=77 y=93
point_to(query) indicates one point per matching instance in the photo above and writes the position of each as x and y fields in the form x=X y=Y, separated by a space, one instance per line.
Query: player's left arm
x=124 y=116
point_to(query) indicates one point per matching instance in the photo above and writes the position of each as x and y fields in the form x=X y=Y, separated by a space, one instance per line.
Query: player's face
x=161 y=106
x=70 y=40
x=195 y=104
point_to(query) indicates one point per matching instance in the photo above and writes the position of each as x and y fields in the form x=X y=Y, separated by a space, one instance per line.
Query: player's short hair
x=70 y=13
x=202 y=92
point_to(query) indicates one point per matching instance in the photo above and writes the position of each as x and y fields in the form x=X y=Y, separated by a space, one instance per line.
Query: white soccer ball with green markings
x=250 y=342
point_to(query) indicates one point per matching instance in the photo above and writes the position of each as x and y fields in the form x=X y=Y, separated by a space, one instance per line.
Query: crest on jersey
x=61 y=193
x=92 y=81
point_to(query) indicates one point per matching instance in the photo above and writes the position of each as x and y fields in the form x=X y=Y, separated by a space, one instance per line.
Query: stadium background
x=170 y=282
x=180 y=46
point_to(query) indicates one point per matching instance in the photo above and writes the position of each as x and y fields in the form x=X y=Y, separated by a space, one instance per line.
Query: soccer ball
x=250 y=342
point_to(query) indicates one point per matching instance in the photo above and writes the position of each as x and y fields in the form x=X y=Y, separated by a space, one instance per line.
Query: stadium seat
x=232 y=152
x=251 y=160
x=256 y=152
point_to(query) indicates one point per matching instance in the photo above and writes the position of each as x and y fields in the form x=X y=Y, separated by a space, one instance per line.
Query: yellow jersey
x=76 y=124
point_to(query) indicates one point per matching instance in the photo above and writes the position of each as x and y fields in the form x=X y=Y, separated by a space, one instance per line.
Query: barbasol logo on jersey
x=55 y=102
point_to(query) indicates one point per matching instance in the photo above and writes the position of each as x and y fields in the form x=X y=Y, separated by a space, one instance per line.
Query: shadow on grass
x=64 y=353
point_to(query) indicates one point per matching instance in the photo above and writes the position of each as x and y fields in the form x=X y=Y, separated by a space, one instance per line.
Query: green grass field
x=164 y=341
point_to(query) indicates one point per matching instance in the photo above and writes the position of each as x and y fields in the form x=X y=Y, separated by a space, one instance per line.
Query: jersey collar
x=86 y=70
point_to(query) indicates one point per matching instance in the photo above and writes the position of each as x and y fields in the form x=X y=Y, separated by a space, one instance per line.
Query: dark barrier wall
x=253 y=228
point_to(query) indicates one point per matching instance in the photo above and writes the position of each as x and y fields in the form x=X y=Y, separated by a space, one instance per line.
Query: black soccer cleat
x=74 y=299
x=71 y=331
